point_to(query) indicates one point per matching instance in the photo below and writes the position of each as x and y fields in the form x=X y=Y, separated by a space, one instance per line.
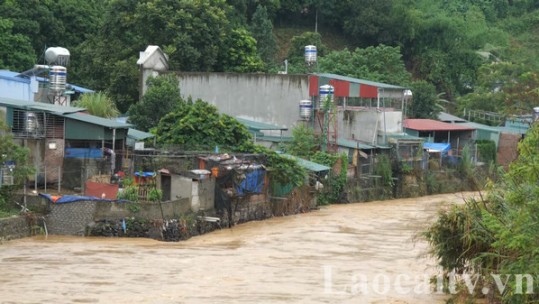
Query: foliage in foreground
x=496 y=234
x=11 y=155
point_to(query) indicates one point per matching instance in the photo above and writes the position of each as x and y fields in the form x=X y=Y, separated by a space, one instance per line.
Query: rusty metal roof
x=433 y=125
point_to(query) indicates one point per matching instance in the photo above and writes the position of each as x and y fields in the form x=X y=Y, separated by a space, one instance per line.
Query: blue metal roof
x=14 y=76
x=9 y=75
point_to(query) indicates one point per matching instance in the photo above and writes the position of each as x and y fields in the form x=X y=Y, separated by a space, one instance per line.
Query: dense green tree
x=64 y=23
x=425 y=101
x=199 y=125
x=369 y=21
x=195 y=35
x=15 y=159
x=16 y=52
x=162 y=97
x=381 y=63
x=98 y=104
x=496 y=233
x=262 y=30
x=240 y=53
x=303 y=142
x=296 y=53
x=503 y=87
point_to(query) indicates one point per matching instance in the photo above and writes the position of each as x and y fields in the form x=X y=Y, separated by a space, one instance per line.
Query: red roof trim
x=433 y=125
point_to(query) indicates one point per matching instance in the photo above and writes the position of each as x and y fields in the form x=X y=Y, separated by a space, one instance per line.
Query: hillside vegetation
x=476 y=54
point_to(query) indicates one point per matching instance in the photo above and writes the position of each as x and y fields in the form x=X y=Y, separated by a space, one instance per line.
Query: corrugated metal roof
x=79 y=89
x=479 y=126
x=361 y=81
x=259 y=126
x=307 y=164
x=14 y=76
x=354 y=144
x=100 y=121
x=9 y=75
x=403 y=136
x=512 y=130
x=138 y=135
x=446 y=117
x=38 y=106
x=433 y=125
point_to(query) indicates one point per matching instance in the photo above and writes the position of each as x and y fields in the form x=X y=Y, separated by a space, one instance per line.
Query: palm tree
x=98 y=104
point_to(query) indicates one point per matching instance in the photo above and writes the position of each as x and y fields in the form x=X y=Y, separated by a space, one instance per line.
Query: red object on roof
x=313 y=85
x=340 y=88
x=368 y=91
x=433 y=125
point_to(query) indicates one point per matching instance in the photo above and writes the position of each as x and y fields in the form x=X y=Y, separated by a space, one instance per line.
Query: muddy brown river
x=354 y=253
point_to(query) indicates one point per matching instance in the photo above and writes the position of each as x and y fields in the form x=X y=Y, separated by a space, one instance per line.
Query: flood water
x=354 y=253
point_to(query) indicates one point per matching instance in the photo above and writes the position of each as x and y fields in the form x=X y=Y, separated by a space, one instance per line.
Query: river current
x=353 y=253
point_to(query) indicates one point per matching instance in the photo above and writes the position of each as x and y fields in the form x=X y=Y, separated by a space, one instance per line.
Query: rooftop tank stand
x=312 y=66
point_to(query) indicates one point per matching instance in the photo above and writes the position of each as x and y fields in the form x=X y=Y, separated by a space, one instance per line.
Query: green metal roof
x=350 y=143
x=259 y=126
x=138 y=135
x=100 y=121
x=476 y=125
x=361 y=81
x=274 y=138
x=403 y=136
x=38 y=106
x=307 y=164
x=512 y=130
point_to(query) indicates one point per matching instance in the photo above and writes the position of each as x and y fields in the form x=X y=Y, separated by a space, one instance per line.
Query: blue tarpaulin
x=145 y=174
x=64 y=199
x=253 y=182
x=83 y=153
x=442 y=148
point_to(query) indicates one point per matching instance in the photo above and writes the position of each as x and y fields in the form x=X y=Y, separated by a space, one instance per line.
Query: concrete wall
x=203 y=197
x=14 y=228
x=149 y=211
x=269 y=98
x=201 y=193
x=71 y=218
x=367 y=125
x=274 y=98
x=181 y=187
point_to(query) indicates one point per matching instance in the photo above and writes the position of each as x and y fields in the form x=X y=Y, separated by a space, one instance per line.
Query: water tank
x=31 y=122
x=57 y=78
x=57 y=56
x=310 y=54
x=325 y=91
x=305 y=109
